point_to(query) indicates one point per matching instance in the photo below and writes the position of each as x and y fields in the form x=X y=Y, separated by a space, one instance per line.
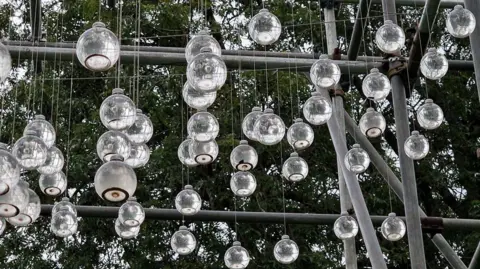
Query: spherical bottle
x=142 y=129
x=390 y=37
x=345 y=227
x=203 y=126
x=434 y=65
x=243 y=183
x=286 y=250
x=30 y=151
x=188 y=202
x=126 y=232
x=393 y=228
x=244 y=157
x=64 y=223
x=53 y=184
x=376 y=86
x=113 y=143
x=115 y=180
x=248 y=123
x=9 y=170
x=203 y=152
x=325 y=73
x=264 y=28
x=30 y=213
x=357 y=159
x=64 y=205
x=269 y=128
x=183 y=241
x=372 y=123
x=295 y=168
x=430 y=115
x=460 y=22
x=139 y=156
x=237 y=257
x=199 y=41
x=5 y=63
x=41 y=128
x=317 y=110
x=14 y=201
x=199 y=100
x=206 y=72
x=54 y=162
x=416 y=146
x=131 y=213
x=300 y=135
x=117 y=111
x=183 y=153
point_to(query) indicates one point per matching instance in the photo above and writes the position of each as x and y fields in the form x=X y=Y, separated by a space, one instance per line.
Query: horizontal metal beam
x=413 y=3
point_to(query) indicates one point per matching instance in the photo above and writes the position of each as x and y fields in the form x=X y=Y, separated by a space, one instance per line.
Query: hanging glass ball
x=113 y=143
x=430 y=115
x=237 y=257
x=357 y=159
x=31 y=212
x=203 y=152
x=64 y=223
x=131 y=213
x=98 y=49
x=317 y=110
x=142 y=129
x=325 y=73
x=264 y=28
x=300 y=135
x=30 y=151
x=202 y=40
x=295 y=168
x=243 y=184
x=199 y=100
x=206 y=72
x=9 y=170
x=286 y=250
x=460 y=22
x=188 y=202
x=248 y=123
x=434 y=65
x=390 y=37
x=54 y=162
x=269 y=128
x=372 y=123
x=41 y=128
x=183 y=153
x=416 y=146
x=139 y=156
x=376 y=86
x=53 y=184
x=3 y=225
x=5 y=62
x=126 y=232
x=64 y=205
x=345 y=227
x=183 y=241
x=117 y=111
x=14 y=201
x=244 y=157
x=115 y=180
x=203 y=126
x=393 y=228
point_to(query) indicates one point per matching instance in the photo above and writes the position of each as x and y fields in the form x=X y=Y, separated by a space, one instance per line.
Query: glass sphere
x=429 y=115
x=390 y=37
x=139 y=156
x=460 y=22
x=113 y=143
x=53 y=184
x=357 y=159
x=372 y=123
x=300 y=135
x=98 y=49
x=345 y=227
x=243 y=184
x=203 y=126
x=434 y=65
x=199 y=100
x=54 y=162
x=3 y=225
x=249 y=122
x=9 y=170
x=5 y=62
x=236 y=257
x=117 y=111
x=295 y=168
x=244 y=157
x=183 y=153
x=14 y=201
x=142 y=129
x=183 y=241
x=64 y=205
x=115 y=180
x=376 y=86
x=269 y=128
x=41 y=128
x=317 y=110
x=416 y=146
x=30 y=214
x=325 y=73
x=201 y=40
x=64 y=223
x=393 y=228
x=206 y=72
x=264 y=28
x=131 y=213
x=30 y=151
x=126 y=232
x=286 y=250
x=188 y=202
x=203 y=152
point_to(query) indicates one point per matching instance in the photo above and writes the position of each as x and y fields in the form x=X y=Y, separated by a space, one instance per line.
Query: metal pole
x=474 y=7
x=36 y=19
x=358 y=30
x=475 y=262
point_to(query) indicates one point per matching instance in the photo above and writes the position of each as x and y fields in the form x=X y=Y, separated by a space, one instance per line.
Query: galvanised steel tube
x=475 y=262
x=358 y=30
x=474 y=7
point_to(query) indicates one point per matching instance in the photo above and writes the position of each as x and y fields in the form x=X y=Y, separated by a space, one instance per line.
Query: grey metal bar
x=475 y=262
x=417 y=3
x=36 y=19
x=474 y=7
x=358 y=30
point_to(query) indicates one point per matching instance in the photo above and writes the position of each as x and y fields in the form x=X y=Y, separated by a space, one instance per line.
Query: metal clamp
x=432 y=225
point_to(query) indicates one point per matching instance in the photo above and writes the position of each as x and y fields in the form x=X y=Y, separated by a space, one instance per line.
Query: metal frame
x=418 y=3
x=474 y=7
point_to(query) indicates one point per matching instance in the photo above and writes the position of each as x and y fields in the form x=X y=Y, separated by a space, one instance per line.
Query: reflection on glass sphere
x=115 y=180
x=357 y=159
x=390 y=37
x=183 y=153
x=317 y=110
x=117 y=111
x=41 y=128
x=461 y=22
x=183 y=241
x=131 y=213
x=206 y=72
x=300 y=135
x=14 y=201
x=30 y=151
x=237 y=257
x=345 y=227
x=248 y=123
x=393 y=228
x=53 y=184
x=295 y=168
x=64 y=223
x=203 y=152
x=434 y=65
x=3 y=225
x=199 y=100
x=372 y=123
x=203 y=126
x=142 y=129
x=286 y=250
x=139 y=156
x=30 y=213
x=416 y=146
x=244 y=157
x=429 y=115
x=9 y=170
x=188 y=201
x=98 y=48
x=113 y=143
x=325 y=73
x=126 y=232
x=201 y=40
x=54 y=162
x=264 y=28
x=5 y=63
x=376 y=86
x=64 y=205
x=243 y=183
x=269 y=128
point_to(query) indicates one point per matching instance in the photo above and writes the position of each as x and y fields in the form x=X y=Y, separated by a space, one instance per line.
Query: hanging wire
x=69 y=130
x=59 y=72
x=139 y=29
x=120 y=24
x=233 y=147
x=281 y=163
x=100 y=10
x=296 y=64
x=321 y=23
x=183 y=138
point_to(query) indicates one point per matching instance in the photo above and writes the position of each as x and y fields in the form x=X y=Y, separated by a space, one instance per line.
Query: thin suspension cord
x=233 y=146
x=120 y=24
x=281 y=162
x=69 y=126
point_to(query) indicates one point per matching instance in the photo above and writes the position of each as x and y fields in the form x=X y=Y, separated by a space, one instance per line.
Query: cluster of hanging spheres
x=123 y=147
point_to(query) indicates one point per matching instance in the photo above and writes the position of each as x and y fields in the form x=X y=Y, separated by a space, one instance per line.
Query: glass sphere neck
x=39 y=117
x=236 y=243
x=243 y=142
x=188 y=187
x=116 y=157
x=370 y=109
x=256 y=108
x=65 y=199
x=415 y=133
x=294 y=154
x=458 y=7
x=131 y=198
x=392 y=215
x=323 y=57
x=356 y=146
x=429 y=101
x=432 y=50
x=183 y=228
x=118 y=91
x=298 y=120
x=285 y=237
x=268 y=111
x=374 y=71
x=139 y=111
x=263 y=10
x=344 y=214
x=99 y=24
x=388 y=22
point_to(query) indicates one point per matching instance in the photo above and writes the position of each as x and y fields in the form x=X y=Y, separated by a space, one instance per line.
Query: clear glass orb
x=372 y=123
x=345 y=227
x=131 y=213
x=142 y=129
x=434 y=65
x=300 y=135
x=5 y=62
x=393 y=228
x=357 y=159
x=117 y=111
x=115 y=180
x=243 y=184
x=202 y=40
x=244 y=157
x=416 y=146
x=183 y=241
x=54 y=162
x=9 y=170
x=203 y=152
x=461 y=22
x=113 y=143
x=98 y=49
x=3 y=225
x=64 y=205
x=237 y=257
x=249 y=122
x=286 y=250
x=53 y=184
x=139 y=156
x=264 y=28
x=390 y=37
x=199 y=100
x=325 y=73
x=317 y=110
x=430 y=115
x=64 y=223
x=206 y=72
x=295 y=168
x=14 y=201
x=376 y=86
x=126 y=232
x=188 y=202
x=183 y=153
x=41 y=128
x=269 y=128
x=30 y=214
x=203 y=126
x=30 y=151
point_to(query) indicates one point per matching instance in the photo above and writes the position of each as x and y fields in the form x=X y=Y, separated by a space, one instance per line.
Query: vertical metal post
x=474 y=7
x=36 y=19
x=475 y=262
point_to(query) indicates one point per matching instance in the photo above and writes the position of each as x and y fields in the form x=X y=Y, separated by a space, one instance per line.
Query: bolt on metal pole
x=474 y=7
